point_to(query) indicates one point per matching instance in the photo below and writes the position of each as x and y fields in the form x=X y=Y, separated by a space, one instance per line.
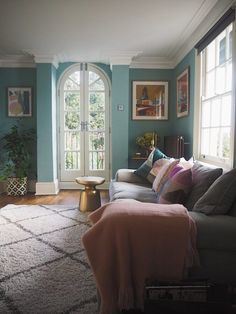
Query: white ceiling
x=100 y=30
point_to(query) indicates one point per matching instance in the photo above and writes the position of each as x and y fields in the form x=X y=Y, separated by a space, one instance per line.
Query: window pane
x=214 y=142
x=210 y=84
x=96 y=101
x=72 y=101
x=225 y=143
x=96 y=121
x=229 y=76
x=226 y=111
x=95 y=82
x=206 y=114
x=73 y=82
x=230 y=44
x=205 y=138
x=215 y=112
x=220 y=80
x=220 y=39
x=96 y=161
x=72 y=140
x=210 y=56
x=222 y=52
x=72 y=161
x=72 y=120
x=96 y=141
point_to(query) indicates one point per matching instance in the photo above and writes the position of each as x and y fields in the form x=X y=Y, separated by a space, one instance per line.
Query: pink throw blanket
x=131 y=241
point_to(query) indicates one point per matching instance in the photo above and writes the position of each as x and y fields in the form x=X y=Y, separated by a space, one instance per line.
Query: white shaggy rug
x=43 y=267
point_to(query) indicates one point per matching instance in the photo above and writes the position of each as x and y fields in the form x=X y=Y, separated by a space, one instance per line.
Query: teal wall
x=184 y=125
x=44 y=80
x=138 y=127
x=46 y=117
x=17 y=77
x=120 y=119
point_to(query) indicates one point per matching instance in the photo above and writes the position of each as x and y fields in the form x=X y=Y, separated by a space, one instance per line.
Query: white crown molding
x=121 y=57
x=17 y=61
x=151 y=63
x=42 y=58
x=210 y=19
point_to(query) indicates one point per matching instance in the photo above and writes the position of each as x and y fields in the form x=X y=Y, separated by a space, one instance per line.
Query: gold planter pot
x=16 y=186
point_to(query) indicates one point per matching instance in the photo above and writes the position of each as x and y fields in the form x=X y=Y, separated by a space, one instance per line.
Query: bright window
x=216 y=101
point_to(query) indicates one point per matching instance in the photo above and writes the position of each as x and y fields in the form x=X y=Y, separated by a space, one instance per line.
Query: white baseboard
x=47 y=188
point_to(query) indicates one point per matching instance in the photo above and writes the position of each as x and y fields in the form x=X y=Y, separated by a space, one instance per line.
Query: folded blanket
x=131 y=241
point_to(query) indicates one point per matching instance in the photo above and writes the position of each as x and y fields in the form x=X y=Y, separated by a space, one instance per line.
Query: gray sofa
x=216 y=234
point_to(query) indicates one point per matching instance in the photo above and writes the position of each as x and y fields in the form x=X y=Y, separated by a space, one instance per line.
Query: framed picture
x=182 y=97
x=19 y=101
x=150 y=100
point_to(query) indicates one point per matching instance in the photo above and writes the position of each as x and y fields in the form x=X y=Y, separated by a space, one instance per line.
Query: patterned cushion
x=158 y=164
x=176 y=188
x=145 y=169
x=163 y=174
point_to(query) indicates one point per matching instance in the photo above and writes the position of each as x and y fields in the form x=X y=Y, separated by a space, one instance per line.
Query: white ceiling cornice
x=17 y=61
x=218 y=10
x=151 y=63
x=40 y=58
x=121 y=57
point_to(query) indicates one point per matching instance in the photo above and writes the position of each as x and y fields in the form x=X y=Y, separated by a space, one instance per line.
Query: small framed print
x=19 y=101
x=182 y=97
x=150 y=100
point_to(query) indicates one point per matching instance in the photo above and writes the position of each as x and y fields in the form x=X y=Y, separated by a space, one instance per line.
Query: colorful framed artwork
x=150 y=100
x=182 y=97
x=19 y=101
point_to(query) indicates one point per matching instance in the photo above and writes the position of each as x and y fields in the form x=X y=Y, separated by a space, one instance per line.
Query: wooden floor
x=64 y=197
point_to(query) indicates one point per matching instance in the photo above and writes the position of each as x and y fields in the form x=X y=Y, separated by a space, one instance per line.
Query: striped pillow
x=163 y=174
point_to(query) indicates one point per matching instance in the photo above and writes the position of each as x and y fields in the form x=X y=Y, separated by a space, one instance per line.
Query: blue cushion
x=144 y=170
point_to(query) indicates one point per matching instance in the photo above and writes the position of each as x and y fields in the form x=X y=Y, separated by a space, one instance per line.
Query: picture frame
x=182 y=94
x=150 y=100
x=19 y=101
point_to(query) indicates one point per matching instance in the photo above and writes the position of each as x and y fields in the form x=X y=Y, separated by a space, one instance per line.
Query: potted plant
x=17 y=144
x=147 y=142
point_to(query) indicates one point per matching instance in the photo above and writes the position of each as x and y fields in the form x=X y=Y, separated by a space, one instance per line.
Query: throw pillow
x=158 y=164
x=163 y=174
x=219 y=197
x=203 y=177
x=186 y=163
x=158 y=154
x=144 y=170
x=176 y=188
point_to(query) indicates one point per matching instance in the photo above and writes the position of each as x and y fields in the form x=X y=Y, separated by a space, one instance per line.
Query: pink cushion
x=176 y=188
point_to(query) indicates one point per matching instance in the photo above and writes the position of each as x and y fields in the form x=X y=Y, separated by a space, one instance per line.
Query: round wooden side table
x=90 y=196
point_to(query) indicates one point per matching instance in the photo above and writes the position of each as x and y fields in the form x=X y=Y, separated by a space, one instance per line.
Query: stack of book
x=184 y=291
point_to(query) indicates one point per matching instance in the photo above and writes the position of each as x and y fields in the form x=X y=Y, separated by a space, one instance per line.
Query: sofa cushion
x=203 y=177
x=216 y=232
x=219 y=198
x=176 y=188
x=125 y=190
x=163 y=174
x=144 y=170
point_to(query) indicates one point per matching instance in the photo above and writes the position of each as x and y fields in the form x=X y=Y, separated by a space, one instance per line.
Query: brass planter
x=16 y=186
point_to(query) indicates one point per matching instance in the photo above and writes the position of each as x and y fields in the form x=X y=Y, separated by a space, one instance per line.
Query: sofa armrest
x=128 y=175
